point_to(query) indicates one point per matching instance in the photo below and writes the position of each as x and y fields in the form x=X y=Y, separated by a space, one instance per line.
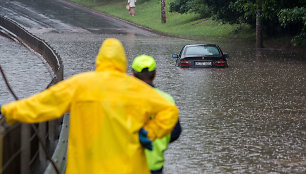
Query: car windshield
x=202 y=50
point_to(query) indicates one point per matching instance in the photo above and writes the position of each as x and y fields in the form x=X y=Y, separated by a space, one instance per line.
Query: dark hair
x=145 y=74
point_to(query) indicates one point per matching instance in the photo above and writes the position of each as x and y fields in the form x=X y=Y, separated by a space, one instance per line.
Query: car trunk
x=200 y=61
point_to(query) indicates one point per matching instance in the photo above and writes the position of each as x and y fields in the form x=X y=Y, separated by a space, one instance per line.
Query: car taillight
x=220 y=62
x=184 y=63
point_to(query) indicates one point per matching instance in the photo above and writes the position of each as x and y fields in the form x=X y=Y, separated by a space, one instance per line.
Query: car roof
x=200 y=45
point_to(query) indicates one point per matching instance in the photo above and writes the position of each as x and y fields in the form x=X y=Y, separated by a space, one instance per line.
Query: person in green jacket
x=144 y=68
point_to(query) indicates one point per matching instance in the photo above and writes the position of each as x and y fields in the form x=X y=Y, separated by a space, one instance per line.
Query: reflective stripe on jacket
x=155 y=157
x=107 y=109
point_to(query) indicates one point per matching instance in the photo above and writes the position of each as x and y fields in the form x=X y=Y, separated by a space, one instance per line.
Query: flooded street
x=248 y=118
x=26 y=71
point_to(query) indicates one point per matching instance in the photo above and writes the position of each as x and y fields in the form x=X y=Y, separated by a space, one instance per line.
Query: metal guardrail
x=60 y=153
x=20 y=149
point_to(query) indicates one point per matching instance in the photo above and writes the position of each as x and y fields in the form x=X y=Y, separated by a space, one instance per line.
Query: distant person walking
x=132 y=7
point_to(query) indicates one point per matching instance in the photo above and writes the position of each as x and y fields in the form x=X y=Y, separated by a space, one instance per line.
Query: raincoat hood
x=111 y=56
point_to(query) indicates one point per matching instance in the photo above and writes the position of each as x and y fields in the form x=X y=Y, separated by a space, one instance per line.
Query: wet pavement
x=42 y=16
x=248 y=118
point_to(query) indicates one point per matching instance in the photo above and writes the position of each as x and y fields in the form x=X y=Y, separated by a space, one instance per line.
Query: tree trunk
x=163 y=11
x=259 y=39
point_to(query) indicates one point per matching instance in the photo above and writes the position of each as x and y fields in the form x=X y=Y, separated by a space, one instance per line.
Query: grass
x=188 y=26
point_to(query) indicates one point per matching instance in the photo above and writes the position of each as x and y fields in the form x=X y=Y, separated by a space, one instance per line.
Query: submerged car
x=201 y=56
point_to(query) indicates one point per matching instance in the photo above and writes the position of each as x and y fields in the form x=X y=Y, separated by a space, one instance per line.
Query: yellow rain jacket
x=107 y=109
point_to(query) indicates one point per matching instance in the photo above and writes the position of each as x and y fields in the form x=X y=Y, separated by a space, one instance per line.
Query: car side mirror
x=225 y=56
x=174 y=56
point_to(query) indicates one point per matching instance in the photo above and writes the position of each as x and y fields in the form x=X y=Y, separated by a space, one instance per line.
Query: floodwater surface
x=26 y=71
x=247 y=118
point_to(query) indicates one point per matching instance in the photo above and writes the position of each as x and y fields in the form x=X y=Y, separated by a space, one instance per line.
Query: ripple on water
x=26 y=71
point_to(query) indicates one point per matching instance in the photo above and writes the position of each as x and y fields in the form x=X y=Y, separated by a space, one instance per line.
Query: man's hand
x=143 y=138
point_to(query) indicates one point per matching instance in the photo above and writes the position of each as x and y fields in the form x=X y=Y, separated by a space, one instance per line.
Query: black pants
x=159 y=171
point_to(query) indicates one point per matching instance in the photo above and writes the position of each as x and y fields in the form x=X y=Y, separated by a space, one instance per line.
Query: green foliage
x=269 y=8
x=277 y=16
x=219 y=10
x=295 y=16
x=180 y=6
x=274 y=14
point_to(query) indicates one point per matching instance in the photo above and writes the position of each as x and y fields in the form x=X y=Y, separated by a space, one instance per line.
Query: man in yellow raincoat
x=108 y=108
